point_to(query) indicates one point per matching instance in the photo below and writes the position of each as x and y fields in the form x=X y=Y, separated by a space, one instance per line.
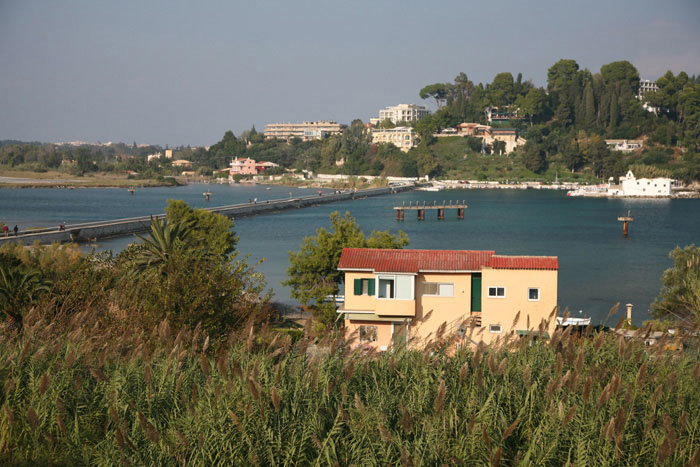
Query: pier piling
x=439 y=208
x=625 y=222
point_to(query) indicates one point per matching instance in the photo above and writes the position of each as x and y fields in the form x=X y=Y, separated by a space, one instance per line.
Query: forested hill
x=565 y=125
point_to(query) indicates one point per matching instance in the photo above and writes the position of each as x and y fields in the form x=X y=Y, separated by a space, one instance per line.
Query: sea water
x=598 y=266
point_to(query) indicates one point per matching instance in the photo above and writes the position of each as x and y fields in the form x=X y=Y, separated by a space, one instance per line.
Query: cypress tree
x=604 y=108
x=614 y=111
x=589 y=106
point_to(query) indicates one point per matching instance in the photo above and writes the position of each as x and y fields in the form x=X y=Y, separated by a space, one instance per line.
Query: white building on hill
x=632 y=186
x=624 y=145
x=401 y=113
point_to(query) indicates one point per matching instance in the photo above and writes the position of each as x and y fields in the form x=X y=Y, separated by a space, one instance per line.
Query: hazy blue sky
x=183 y=72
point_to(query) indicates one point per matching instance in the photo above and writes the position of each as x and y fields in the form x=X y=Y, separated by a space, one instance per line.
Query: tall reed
x=79 y=392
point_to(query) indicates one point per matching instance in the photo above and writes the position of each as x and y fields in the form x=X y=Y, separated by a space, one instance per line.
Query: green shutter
x=358 y=286
x=476 y=292
x=370 y=286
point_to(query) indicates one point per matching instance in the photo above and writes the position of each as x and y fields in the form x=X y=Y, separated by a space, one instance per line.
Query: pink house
x=243 y=166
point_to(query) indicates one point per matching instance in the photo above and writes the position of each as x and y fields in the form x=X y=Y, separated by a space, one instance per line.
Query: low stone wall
x=116 y=228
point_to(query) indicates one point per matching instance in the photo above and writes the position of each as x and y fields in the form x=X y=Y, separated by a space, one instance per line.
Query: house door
x=399 y=333
x=476 y=292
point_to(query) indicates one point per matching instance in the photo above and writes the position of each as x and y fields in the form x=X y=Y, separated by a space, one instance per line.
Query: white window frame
x=492 y=328
x=488 y=291
x=533 y=299
x=394 y=277
x=438 y=284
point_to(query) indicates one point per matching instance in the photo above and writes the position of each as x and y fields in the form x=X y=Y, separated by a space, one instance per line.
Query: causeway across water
x=94 y=231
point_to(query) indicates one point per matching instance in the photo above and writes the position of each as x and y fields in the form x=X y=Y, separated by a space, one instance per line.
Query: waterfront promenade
x=93 y=231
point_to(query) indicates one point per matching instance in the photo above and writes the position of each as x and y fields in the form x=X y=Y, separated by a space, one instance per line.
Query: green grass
x=76 y=392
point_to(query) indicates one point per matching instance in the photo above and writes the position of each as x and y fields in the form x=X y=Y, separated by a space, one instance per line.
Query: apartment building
x=402 y=137
x=502 y=114
x=306 y=131
x=475 y=296
x=401 y=113
x=645 y=86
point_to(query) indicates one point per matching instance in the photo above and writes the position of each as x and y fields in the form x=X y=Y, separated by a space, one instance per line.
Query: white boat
x=334 y=299
x=573 y=321
x=432 y=188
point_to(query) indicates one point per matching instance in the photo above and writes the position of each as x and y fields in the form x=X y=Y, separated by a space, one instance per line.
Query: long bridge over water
x=93 y=231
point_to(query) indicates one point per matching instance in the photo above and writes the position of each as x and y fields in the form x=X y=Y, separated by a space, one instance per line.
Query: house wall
x=433 y=311
x=381 y=306
x=502 y=311
x=358 y=302
x=384 y=333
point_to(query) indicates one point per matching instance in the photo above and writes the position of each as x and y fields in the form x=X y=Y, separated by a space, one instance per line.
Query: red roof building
x=412 y=293
x=414 y=261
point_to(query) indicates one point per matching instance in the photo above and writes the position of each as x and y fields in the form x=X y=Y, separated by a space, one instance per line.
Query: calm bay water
x=598 y=266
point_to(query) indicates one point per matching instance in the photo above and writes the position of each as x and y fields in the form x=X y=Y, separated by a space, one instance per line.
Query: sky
x=183 y=72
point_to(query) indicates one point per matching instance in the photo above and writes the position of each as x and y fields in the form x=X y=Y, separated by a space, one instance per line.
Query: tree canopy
x=437 y=91
x=313 y=270
x=187 y=270
x=679 y=299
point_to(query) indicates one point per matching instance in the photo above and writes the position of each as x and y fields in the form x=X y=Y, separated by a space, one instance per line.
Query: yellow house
x=477 y=295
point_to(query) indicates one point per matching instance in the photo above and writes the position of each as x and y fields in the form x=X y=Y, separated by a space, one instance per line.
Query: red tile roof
x=413 y=261
x=524 y=262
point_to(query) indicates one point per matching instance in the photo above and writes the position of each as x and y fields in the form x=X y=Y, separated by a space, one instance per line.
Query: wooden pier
x=421 y=208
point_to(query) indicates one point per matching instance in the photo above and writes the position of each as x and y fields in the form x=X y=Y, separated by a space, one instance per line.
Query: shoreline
x=71 y=184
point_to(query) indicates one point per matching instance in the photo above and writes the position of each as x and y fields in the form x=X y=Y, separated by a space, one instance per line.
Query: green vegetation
x=186 y=271
x=313 y=271
x=566 y=126
x=77 y=391
x=679 y=300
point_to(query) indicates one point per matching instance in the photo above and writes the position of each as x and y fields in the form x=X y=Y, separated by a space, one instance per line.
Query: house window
x=368 y=333
x=398 y=287
x=386 y=287
x=495 y=328
x=533 y=294
x=438 y=289
x=497 y=292
x=364 y=286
